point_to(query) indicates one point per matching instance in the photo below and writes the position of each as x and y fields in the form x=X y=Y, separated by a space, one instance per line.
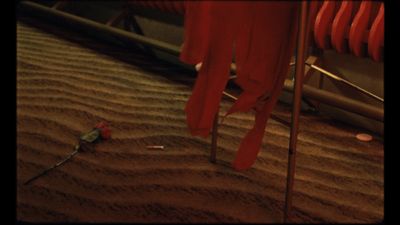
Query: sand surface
x=66 y=83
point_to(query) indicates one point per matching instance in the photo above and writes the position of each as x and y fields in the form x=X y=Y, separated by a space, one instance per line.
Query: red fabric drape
x=262 y=35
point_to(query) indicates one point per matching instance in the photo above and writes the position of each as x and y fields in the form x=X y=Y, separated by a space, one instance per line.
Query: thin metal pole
x=274 y=117
x=299 y=73
x=114 y=20
x=213 y=154
x=331 y=75
x=339 y=101
x=131 y=24
x=320 y=86
x=59 y=5
x=89 y=26
x=337 y=78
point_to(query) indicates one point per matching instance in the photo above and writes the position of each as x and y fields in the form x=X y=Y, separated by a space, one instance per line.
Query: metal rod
x=274 y=117
x=89 y=26
x=213 y=154
x=59 y=4
x=341 y=102
x=114 y=20
x=337 y=78
x=298 y=84
x=321 y=79
x=131 y=24
x=331 y=75
x=229 y=95
x=320 y=95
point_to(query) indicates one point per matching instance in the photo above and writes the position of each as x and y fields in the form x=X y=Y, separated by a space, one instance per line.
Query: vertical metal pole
x=320 y=86
x=115 y=19
x=299 y=74
x=214 y=137
x=59 y=5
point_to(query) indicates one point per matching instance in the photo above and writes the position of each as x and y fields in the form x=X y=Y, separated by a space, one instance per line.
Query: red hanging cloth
x=262 y=35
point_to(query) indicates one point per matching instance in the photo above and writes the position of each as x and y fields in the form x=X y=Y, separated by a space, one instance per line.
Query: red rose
x=105 y=131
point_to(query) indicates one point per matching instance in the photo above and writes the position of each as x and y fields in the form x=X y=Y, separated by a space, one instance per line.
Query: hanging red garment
x=262 y=35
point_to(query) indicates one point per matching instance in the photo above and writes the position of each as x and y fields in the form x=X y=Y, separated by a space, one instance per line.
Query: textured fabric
x=262 y=34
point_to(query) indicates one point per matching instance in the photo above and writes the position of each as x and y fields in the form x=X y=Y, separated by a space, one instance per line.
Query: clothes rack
x=297 y=86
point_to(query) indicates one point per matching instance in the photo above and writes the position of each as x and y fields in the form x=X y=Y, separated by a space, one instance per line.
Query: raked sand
x=66 y=83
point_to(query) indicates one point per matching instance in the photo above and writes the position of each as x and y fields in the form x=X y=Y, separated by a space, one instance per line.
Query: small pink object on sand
x=155 y=147
x=364 y=137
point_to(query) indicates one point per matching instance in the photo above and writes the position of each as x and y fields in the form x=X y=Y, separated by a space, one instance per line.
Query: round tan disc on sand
x=364 y=137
